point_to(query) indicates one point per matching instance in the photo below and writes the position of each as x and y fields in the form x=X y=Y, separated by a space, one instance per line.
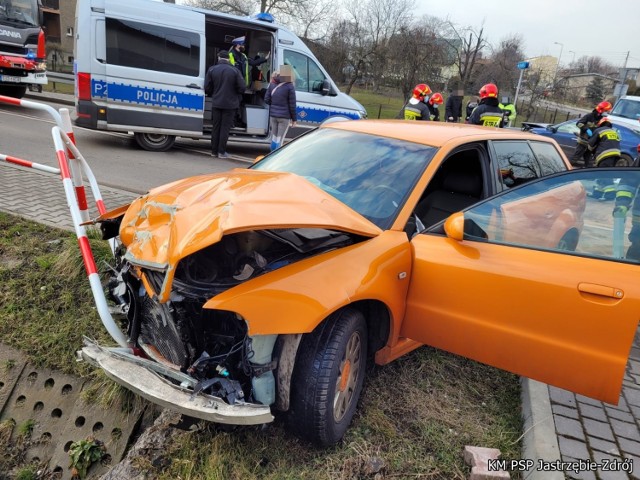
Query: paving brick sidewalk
x=605 y=434
x=39 y=196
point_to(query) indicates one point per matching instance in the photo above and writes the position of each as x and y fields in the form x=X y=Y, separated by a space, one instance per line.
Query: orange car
x=271 y=287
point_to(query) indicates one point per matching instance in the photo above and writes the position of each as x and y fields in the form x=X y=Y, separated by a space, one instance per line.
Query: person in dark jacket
x=281 y=97
x=471 y=106
x=225 y=85
x=587 y=124
x=239 y=59
x=453 y=108
x=488 y=113
x=433 y=102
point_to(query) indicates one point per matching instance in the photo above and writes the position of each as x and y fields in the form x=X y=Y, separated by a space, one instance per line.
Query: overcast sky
x=607 y=28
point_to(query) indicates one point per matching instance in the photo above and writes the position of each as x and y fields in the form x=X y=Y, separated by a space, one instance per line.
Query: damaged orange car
x=272 y=287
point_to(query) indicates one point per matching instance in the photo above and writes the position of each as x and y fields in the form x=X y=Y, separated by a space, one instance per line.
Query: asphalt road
x=115 y=159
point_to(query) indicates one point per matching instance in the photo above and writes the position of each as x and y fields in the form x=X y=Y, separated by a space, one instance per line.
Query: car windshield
x=372 y=175
x=14 y=12
x=627 y=108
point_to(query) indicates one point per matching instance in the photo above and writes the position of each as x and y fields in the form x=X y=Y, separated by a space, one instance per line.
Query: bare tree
x=372 y=23
x=468 y=45
x=502 y=70
x=416 y=55
x=594 y=64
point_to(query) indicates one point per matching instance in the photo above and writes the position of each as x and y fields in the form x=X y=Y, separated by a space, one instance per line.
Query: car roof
x=434 y=134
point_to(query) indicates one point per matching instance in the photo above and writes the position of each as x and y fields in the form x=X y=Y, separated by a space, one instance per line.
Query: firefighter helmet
x=604 y=107
x=604 y=120
x=421 y=90
x=489 y=91
x=436 y=98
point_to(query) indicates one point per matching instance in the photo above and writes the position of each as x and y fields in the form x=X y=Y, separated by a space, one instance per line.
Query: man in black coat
x=225 y=84
x=453 y=107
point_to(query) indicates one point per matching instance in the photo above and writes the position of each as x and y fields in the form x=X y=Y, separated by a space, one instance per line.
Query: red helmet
x=604 y=107
x=489 y=91
x=421 y=90
x=436 y=98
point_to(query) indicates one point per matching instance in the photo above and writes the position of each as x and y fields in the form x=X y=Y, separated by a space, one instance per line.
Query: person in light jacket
x=281 y=97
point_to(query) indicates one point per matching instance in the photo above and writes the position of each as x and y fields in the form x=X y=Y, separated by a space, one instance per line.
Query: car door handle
x=193 y=85
x=601 y=290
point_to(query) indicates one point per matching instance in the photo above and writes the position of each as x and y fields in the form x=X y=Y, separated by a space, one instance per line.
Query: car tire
x=328 y=378
x=153 y=142
x=624 y=161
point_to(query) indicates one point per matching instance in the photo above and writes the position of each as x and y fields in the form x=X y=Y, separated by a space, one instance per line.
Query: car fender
x=296 y=298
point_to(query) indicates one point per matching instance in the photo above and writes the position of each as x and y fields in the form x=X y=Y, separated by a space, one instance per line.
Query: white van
x=140 y=67
x=626 y=111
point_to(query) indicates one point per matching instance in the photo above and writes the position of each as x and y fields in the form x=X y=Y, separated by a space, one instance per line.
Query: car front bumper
x=144 y=378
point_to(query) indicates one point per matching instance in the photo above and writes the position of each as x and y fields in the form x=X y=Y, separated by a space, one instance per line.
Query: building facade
x=59 y=24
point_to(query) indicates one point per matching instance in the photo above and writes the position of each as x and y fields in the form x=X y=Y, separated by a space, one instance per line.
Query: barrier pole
x=83 y=240
x=76 y=170
x=34 y=105
x=27 y=163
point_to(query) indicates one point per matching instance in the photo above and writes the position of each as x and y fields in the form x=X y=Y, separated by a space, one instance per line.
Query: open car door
x=527 y=281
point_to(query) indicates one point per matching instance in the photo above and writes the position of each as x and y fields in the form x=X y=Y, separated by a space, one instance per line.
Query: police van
x=140 y=67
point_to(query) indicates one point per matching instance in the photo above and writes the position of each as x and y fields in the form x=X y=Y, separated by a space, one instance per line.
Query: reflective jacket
x=604 y=143
x=511 y=109
x=434 y=112
x=416 y=110
x=242 y=62
x=487 y=113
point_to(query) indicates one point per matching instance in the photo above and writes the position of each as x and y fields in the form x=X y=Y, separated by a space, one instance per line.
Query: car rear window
x=522 y=161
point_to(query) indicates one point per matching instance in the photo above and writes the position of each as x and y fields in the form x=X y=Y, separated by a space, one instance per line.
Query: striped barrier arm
x=26 y=163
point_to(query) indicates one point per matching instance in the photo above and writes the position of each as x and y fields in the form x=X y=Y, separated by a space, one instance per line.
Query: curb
x=540 y=441
x=60 y=98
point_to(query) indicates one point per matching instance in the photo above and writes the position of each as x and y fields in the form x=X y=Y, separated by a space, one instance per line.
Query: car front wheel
x=328 y=378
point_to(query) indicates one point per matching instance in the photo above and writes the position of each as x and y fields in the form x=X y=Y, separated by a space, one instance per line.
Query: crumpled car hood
x=178 y=219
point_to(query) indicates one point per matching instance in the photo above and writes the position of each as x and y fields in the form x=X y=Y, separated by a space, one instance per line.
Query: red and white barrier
x=72 y=163
x=26 y=163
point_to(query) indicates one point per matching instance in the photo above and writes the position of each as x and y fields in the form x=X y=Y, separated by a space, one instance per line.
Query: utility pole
x=619 y=92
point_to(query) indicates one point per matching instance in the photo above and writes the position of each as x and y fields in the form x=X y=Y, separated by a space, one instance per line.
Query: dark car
x=566 y=134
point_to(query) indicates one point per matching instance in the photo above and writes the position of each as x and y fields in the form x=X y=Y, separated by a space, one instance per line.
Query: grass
x=414 y=419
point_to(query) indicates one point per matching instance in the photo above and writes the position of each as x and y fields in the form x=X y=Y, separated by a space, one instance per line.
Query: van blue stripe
x=309 y=114
x=119 y=92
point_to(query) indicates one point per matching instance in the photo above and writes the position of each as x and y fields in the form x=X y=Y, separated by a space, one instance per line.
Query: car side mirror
x=454 y=226
x=326 y=87
x=552 y=129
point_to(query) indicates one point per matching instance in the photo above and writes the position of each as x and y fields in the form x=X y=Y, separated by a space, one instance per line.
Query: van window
x=307 y=73
x=152 y=47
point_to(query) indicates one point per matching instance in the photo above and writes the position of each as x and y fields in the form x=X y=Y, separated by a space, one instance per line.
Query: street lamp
x=555 y=77
x=573 y=59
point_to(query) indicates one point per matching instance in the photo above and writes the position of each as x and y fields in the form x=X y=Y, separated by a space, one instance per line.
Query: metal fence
x=543 y=113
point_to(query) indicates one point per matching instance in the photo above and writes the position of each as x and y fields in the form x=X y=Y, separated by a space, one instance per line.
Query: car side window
x=568 y=127
x=307 y=74
x=516 y=162
x=549 y=160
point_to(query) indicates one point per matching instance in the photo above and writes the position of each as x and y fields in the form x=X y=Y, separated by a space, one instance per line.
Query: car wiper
x=18 y=21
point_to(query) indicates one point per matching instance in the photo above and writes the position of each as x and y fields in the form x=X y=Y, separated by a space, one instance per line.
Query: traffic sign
x=523 y=65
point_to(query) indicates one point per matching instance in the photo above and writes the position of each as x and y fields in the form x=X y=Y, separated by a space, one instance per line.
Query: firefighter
x=488 y=113
x=416 y=108
x=433 y=102
x=604 y=147
x=587 y=124
x=628 y=197
x=509 y=109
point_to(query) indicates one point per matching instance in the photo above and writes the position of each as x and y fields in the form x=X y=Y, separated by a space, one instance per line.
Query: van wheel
x=11 y=91
x=154 y=142
x=328 y=378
